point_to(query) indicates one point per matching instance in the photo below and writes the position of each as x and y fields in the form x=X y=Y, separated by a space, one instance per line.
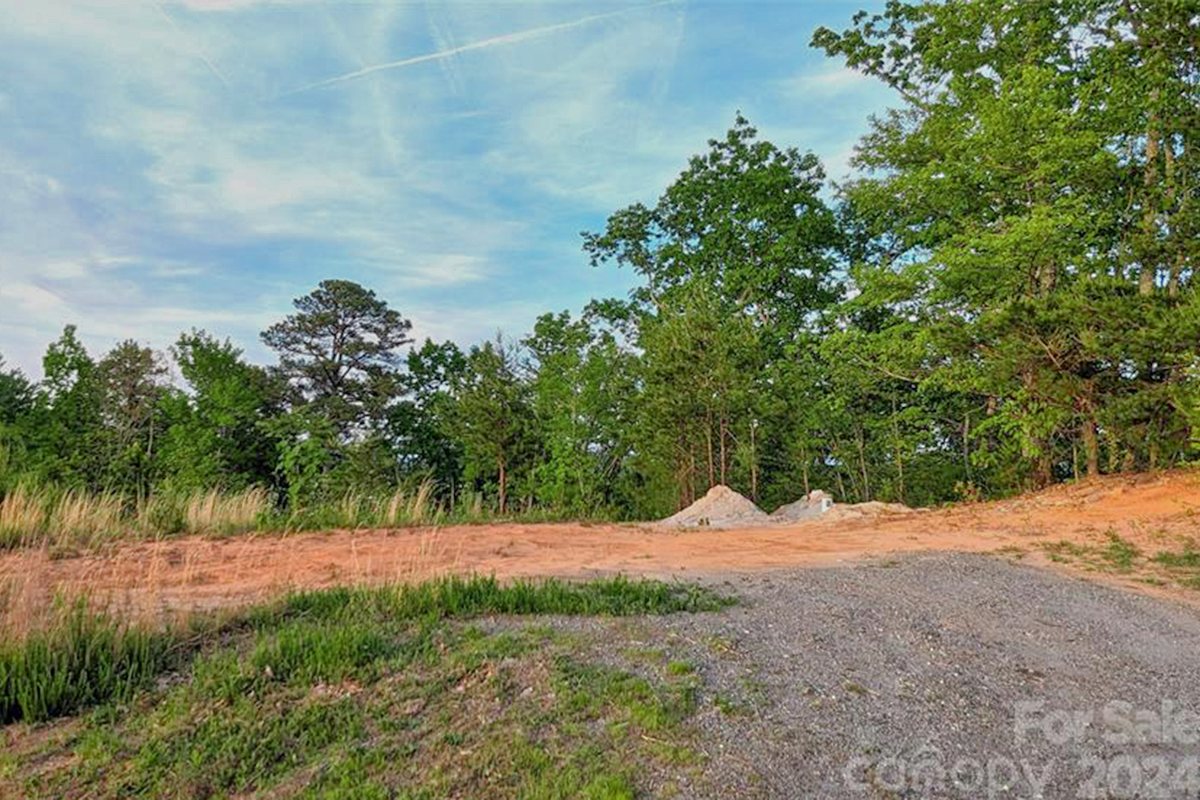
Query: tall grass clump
x=80 y=659
x=33 y=515
x=403 y=508
x=83 y=518
x=215 y=512
x=23 y=513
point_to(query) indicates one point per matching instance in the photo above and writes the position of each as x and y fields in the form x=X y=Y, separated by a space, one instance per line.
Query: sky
x=170 y=165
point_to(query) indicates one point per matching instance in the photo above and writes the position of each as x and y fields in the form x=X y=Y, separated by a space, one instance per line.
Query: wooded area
x=1003 y=297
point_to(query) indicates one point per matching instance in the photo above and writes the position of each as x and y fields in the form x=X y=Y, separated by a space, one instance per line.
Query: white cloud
x=828 y=82
x=151 y=182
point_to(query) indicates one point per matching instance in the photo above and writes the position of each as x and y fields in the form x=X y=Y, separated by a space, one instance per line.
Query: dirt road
x=934 y=676
x=1152 y=512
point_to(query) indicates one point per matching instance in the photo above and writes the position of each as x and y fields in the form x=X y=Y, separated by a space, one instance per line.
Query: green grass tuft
x=84 y=658
x=1188 y=559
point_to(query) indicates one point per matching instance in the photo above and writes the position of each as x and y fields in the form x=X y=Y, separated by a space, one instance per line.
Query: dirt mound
x=812 y=505
x=722 y=507
x=869 y=510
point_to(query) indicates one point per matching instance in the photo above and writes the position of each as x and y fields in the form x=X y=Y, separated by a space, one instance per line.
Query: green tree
x=16 y=416
x=746 y=218
x=67 y=432
x=738 y=257
x=217 y=433
x=583 y=390
x=423 y=424
x=132 y=380
x=340 y=353
x=494 y=418
x=16 y=395
x=1003 y=199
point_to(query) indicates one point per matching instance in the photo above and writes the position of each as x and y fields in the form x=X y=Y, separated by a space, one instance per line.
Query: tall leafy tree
x=132 y=381
x=423 y=424
x=68 y=440
x=16 y=407
x=340 y=352
x=1001 y=203
x=216 y=435
x=746 y=218
x=16 y=394
x=494 y=419
x=738 y=256
x=583 y=389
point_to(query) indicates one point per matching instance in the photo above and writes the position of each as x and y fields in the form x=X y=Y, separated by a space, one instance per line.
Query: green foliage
x=493 y=419
x=468 y=597
x=339 y=352
x=217 y=434
x=82 y=659
x=1025 y=230
x=423 y=424
x=348 y=698
x=85 y=658
x=1002 y=297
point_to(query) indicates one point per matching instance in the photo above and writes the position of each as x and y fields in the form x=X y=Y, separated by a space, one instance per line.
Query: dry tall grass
x=37 y=516
x=83 y=519
x=403 y=508
x=22 y=516
x=34 y=517
x=214 y=512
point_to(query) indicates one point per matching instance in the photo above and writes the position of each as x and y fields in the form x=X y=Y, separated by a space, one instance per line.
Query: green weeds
x=354 y=692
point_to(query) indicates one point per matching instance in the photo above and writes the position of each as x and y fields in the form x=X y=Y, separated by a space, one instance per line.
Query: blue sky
x=198 y=164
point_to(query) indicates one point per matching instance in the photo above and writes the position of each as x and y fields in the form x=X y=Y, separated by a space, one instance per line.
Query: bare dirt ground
x=1153 y=512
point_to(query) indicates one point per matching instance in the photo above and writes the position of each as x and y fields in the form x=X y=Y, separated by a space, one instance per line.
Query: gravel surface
x=905 y=678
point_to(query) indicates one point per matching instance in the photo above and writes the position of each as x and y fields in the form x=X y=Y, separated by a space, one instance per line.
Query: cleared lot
x=927 y=675
x=1143 y=533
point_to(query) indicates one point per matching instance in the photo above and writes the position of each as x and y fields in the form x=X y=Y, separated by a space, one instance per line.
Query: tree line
x=1002 y=297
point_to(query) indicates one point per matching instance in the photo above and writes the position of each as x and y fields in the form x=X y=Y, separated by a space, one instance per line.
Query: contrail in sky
x=508 y=38
x=212 y=67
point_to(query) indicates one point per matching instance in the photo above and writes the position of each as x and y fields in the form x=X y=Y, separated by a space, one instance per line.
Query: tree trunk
x=967 y=445
x=1091 y=445
x=721 y=440
x=1148 y=255
x=503 y=486
x=899 y=452
x=1043 y=474
x=753 y=464
x=708 y=431
x=862 y=461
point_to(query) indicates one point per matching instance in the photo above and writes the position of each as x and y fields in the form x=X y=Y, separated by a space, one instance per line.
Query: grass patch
x=81 y=659
x=1120 y=553
x=67 y=521
x=1122 y=556
x=387 y=692
x=1188 y=559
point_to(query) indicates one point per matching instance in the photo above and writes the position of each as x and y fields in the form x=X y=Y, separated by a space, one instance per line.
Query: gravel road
x=940 y=675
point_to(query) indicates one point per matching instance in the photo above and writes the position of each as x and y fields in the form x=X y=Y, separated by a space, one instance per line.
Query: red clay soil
x=1154 y=511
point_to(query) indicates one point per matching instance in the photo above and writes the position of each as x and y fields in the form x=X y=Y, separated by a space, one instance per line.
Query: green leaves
x=339 y=352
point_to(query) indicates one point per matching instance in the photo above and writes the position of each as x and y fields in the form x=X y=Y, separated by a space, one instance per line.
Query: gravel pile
x=722 y=507
x=814 y=504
